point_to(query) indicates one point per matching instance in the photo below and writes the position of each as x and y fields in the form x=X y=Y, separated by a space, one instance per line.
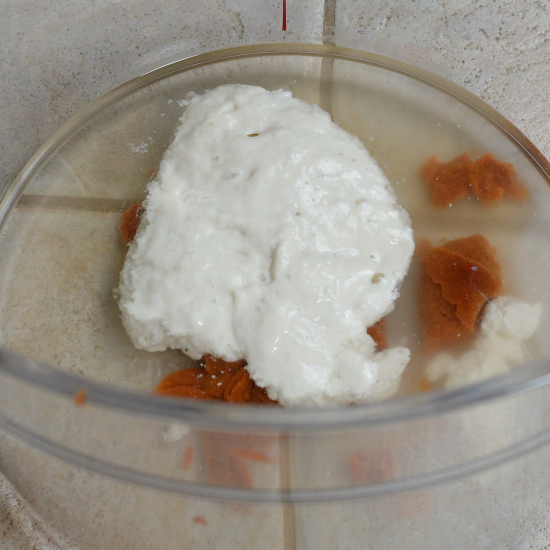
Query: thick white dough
x=280 y=248
x=506 y=323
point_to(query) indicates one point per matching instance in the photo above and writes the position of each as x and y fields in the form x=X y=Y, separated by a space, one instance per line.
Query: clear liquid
x=61 y=255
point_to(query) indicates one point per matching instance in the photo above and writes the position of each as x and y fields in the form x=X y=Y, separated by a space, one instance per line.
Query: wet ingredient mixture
x=270 y=235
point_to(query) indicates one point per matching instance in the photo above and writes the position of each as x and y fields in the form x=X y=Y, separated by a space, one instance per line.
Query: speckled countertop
x=58 y=56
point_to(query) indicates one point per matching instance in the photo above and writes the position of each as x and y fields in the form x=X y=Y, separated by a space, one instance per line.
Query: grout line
x=325 y=102
x=89 y=204
x=327 y=64
x=325 y=92
x=289 y=519
x=329 y=21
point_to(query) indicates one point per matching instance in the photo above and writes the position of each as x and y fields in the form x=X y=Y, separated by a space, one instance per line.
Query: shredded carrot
x=226 y=456
x=372 y=467
x=200 y=520
x=425 y=385
x=80 y=397
x=252 y=455
x=129 y=222
x=222 y=467
x=187 y=457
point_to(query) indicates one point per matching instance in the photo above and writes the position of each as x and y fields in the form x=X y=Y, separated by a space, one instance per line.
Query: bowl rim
x=227 y=416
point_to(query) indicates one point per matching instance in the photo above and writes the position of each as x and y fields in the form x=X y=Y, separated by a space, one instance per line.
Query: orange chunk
x=464 y=283
x=185 y=391
x=457 y=281
x=488 y=178
x=378 y=333
x=130 y=221
x=478 y=249
x=259 y=395
x=200 y=520
x=491 y=179
x=185 y=377
x=424 y=385
x=438 y=317
x=187 y=457
x=239 y=387
x=219 y=379
x=80 y=397
x=449 y=181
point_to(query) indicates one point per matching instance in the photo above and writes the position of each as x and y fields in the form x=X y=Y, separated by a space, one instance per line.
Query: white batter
x=280 y=248
x=506 y=323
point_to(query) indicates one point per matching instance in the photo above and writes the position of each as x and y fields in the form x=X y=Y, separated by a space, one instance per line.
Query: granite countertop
x=58 y=56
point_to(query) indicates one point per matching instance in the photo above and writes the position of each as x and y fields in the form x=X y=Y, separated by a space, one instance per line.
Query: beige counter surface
x=58 y=56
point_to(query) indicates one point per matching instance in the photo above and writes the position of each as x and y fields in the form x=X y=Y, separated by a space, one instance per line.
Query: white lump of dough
x=280 y=248
x=506 y=323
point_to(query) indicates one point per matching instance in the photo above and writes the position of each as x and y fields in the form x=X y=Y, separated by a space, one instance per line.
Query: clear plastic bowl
x=60 y=256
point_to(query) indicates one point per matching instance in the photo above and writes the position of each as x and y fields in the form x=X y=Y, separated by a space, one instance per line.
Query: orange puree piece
x=449 y=180
x=200 y=520
x=259 y=395
x=464 y=283
x=458 y=279
x=378 y=333
x=490 y=179
x=80 y=397
x=487 y=178
x=219 y=379
x=129 y=222
x=438 y=317
x=185 y=391
x=478 y=249
x=239 y=387
x=197 y=378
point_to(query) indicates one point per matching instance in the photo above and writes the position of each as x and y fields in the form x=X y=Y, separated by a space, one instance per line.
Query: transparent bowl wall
x=60 y=257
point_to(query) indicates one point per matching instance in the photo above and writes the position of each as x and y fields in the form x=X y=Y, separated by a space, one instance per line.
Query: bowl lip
x=231 y=417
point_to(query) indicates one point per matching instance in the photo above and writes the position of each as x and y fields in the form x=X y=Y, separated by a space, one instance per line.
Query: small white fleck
x=175 y=432
x=474 y=268
x=140 y=148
